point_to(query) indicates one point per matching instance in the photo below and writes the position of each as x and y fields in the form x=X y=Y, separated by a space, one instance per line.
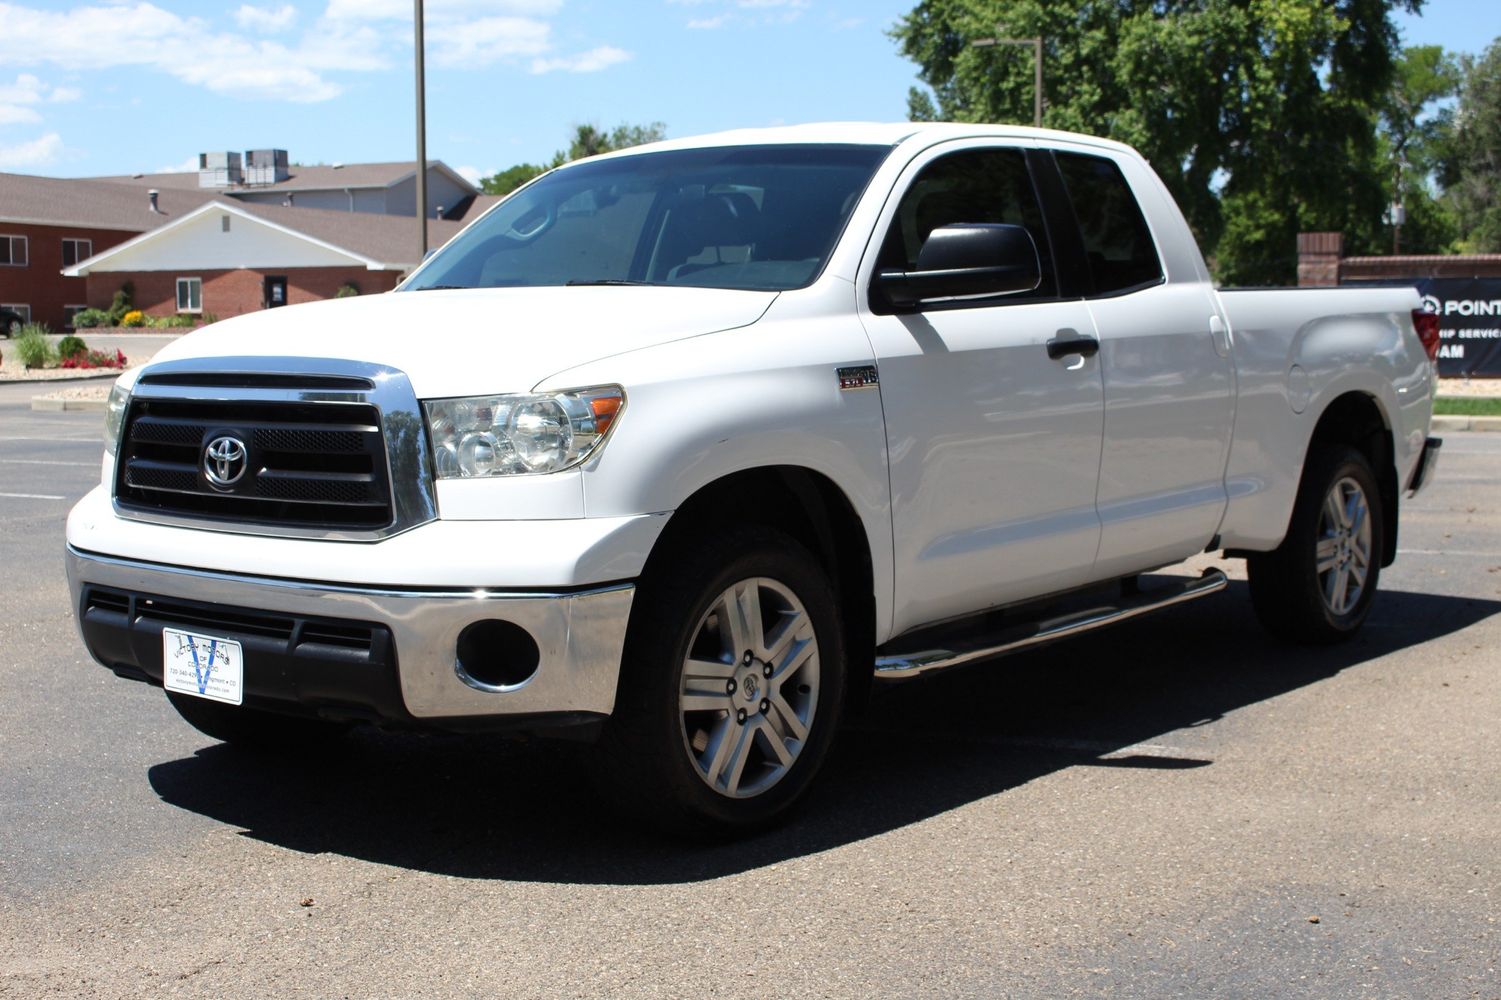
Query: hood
x=470 y=341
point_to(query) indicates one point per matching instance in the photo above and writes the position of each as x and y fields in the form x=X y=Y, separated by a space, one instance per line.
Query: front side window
x=979 y=185
x=751 y=217
x=1122 y=256
x=76 y=250
x=189 y=294
x=13 y=251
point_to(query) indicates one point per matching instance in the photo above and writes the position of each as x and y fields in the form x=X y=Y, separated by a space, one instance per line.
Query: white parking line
x=31 y=496
x=54 y=440
x=44 y=461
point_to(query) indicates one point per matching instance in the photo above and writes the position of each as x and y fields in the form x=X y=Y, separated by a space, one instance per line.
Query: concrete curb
x=49 y=404
x=84 y=377
x=1457 y=423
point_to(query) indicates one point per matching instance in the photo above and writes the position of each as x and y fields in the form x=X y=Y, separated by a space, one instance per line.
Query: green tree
x=587 y=140
x=511 y=178
x=1415 y=132
x=1471 y=167
x=1256 y=113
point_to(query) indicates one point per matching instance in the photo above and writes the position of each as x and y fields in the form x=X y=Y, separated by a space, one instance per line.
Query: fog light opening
x=495 y=655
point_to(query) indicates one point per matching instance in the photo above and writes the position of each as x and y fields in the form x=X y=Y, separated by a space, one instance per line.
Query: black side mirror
x=963 y=260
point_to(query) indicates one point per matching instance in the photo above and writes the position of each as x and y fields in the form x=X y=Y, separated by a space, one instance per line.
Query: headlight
x=519 y=435
x=114 y=417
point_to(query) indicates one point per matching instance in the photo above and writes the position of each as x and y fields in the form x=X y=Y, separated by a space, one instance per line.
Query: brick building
x=227 y=257
x=1321 y=262
x=48 y=224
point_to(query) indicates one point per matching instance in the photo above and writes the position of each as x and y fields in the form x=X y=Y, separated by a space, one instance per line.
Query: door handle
x=1068 y=342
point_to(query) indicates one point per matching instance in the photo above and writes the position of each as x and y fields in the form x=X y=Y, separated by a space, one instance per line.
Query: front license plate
x=204 y=666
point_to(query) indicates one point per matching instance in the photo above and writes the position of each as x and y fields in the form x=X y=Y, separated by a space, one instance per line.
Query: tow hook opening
x=495 y=655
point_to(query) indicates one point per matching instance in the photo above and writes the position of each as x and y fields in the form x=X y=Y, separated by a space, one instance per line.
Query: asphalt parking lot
x=1180 y=806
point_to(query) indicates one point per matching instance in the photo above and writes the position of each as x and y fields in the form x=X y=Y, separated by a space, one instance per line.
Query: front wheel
x=732 y=685
x=1317 y=586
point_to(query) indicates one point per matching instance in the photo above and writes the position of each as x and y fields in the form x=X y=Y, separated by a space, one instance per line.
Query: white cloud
x=471 y=44
x=435 y=10
x=16 y=99
x=188 y=166
x=266 y=19
x=36 y=153
x=11 y=114
x=709 y=23
x=473 y=174
x=142 y=34
x=592 y=61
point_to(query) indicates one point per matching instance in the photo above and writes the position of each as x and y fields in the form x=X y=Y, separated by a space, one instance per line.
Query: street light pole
x=1036 y=44
x=421 y=144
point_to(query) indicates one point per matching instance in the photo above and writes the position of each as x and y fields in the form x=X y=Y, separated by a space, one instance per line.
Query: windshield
x=751 y=217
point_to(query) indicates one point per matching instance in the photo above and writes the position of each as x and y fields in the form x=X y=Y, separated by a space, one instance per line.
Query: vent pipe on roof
x=153 y=194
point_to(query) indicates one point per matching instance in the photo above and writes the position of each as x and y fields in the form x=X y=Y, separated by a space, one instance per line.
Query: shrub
x=133 y=318
x=33 y=347
x=70 y=347
x=95 y=359
x=347 y=290
x=172 y=322
x=87 y=319
x=124 y=300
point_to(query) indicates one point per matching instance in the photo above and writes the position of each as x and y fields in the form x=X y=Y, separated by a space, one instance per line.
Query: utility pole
x=421 y=145
x=1036 y=44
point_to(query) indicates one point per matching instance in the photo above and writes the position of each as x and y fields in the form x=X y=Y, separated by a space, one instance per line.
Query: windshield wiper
x=610 y=281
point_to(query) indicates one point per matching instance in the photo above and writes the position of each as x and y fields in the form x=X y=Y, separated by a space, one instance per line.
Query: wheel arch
x=814 y=510
x=1357 y=419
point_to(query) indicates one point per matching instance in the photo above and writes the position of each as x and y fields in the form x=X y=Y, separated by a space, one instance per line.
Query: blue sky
x=124 y=86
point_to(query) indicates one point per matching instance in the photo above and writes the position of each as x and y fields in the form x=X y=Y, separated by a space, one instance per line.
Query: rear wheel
x=253 y=729
x=732 y=685
x=1317 y=586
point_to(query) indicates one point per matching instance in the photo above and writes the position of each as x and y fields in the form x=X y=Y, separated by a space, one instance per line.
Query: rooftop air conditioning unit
x=265 y=166
x=219 y=170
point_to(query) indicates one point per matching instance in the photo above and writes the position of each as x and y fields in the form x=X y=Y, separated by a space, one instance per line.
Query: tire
x=1317 y=586
x=709 y=739
x=13 y=329
x=251 y=729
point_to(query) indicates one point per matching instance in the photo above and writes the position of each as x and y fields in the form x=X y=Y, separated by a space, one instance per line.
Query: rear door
x=994 y=447
x=1168 y=377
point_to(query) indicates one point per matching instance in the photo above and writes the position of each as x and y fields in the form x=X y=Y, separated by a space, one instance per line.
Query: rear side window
x=981 y=185
x=1121 y=254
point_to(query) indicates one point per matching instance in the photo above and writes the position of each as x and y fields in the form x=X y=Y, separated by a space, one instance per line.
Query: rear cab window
x=1117 y=243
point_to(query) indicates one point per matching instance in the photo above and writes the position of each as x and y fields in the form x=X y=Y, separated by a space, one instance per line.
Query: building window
x=189 y=295
x=76 y=250
x=24 y=311
x=13 y=251
x=69 y=312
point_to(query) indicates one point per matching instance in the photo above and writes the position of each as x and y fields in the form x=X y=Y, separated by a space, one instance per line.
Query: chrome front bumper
x=579 y=634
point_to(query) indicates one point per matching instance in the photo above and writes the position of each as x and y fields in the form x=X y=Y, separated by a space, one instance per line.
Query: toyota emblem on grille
x=224 y=461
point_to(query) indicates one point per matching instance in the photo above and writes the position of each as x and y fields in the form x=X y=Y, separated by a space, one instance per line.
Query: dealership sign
x=1469 y=311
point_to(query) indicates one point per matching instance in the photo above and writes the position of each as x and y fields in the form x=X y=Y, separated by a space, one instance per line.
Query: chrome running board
x=900 y=666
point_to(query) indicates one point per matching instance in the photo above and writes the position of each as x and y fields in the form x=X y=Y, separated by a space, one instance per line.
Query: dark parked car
x=11 y=322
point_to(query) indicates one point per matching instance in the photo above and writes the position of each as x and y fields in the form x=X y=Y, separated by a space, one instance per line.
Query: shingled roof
x=89 y=204
x=315 y=178
x=380 y=242
x=390 y=239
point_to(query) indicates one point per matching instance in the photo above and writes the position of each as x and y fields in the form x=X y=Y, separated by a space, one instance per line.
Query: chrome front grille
x=322 y=452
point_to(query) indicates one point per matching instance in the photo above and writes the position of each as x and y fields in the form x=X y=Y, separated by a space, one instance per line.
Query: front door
x=994 y=447
x=276 y=291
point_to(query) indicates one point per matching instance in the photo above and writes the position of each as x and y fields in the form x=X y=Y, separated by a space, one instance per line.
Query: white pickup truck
x=683 y=447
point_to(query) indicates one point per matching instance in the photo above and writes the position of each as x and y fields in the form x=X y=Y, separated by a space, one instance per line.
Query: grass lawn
x=1467 y=406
